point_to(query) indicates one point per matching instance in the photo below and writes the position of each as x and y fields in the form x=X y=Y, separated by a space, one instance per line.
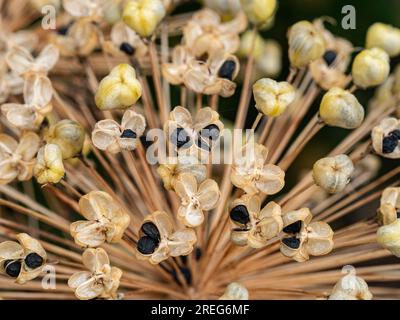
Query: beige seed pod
x=385 y=138
x=272 y=97
x=384 y=36
x=68 y=135
x=351 y=287
x=370 y=68
x=259 y=12
x=388 y=236
x=119 y=90
x=49 y=166
x=389 y=205
x=306 y=44
x=143 y=16
x=333 y=173
x=235 y=291
x=340 y=108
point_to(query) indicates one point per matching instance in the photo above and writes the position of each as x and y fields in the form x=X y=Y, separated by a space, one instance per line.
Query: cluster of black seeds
x=391 y=141
x=293 y=229
x=148 y=243
x=13 y=267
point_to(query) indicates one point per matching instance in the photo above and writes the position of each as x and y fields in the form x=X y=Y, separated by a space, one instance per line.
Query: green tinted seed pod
x=384 y=36
x=259 y=11
x=388 y=236
x=68 y=135
x=340 y=108
x=371 y=67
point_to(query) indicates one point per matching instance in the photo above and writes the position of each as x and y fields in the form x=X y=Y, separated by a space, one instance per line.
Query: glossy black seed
x=145 y=143
x=146 y=245
x=329 y=57
x=179 y=137
x=389 y=143
x=395 y=133
x=292 y=242
x=12 y=268
x=33 y=260
x=63 y=30
x=127 y=48
x=202 y=144
x=150 y=229
x=227 y=69
x=128 y=133
x=293 y=228
x=240 y=214
x=210 y=132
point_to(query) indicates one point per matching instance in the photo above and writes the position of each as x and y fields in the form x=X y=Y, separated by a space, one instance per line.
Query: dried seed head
x=235 y=291
x=101 y=281
x=306 y=44
x=259 y=11
x=68 y=135
x=386 y=138
x=384 y=36
x=272 y=97
x=119 y=90
x=49 y=166
x=340 y=108
x=351 y=287
x=106 y=220
x=389 y=210
x=388 y=236
x=333 y=173
x=143 y=16
x=370 y=68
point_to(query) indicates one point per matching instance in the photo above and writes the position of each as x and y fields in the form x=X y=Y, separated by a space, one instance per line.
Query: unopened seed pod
x=259 y=11
x=389 y=207
x=333 y=173
x=388 y=236
x=384 y=36
x=340 y=108
x=49 y=166
x=272 y=97
x=306 y=44
x=371 y=67
x=68 y=135
x=351 y=287
x=235 y=291
x=143 y=16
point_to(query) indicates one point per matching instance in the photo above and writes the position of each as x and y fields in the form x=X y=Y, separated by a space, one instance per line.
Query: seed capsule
x=351 y=287
x=385 y=138
x=150 y=230
x=210 y=132
x=180 y=137
x=146 y=245
x=119 y=90
x=235 y=291
x=306 y=44
x=12 y=268
x=68 y=135
x=33 y=260
x=240 y=214
x=333 y=173
x=272 y=98
x=259 y=11
x=388 y=236
x=371 y=67
x=340 y=108
x=384 y=36
x=143 y=16
x=49 y=167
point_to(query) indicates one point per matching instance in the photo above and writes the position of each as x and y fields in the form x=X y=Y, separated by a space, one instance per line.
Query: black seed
x=210 y=132
x=33 y=260
x=128 y=133
x=292 y=242
x=389 y=143
x=202 y=144
x=398 y=214
x=127 y=48
x=184 y=259
x=150 y=230
x=293 y=228
x=63 y=30
x=145 y=143
x=146 y=245
x=179 y=137
x=198 y=253
x=13 y=268
x=227 y=69
x=240 y=214
x=395 y=133
x=329 y=57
